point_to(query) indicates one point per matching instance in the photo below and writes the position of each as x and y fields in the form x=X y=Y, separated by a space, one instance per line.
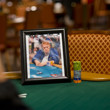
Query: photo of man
x=46 y=60
x=46 y=55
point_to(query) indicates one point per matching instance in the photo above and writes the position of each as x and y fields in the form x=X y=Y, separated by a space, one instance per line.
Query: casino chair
x=32 y=19
x=5 y=42
x=3 y=52
x=92 y=48
x=82 y=20
x=47 y=16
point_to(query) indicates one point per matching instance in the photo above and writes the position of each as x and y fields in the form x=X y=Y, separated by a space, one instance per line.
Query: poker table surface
x=87 y=95
x=44 y=71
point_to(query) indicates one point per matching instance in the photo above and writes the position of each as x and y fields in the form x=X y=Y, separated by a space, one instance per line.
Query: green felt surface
x=66 y=96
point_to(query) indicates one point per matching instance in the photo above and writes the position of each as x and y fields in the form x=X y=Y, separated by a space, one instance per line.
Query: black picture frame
x=57 y=69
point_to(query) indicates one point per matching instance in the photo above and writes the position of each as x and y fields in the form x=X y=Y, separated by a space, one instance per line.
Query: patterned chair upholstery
x=92 y=48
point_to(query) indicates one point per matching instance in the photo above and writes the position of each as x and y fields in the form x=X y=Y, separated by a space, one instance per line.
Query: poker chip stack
x=77 y=71
x=50 y=63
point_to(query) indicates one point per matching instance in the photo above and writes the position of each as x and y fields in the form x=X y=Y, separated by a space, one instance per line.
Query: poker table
x=44 y=71
x=87 y=95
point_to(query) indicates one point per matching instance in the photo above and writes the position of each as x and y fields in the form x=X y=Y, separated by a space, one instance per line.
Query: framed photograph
x=44 y=56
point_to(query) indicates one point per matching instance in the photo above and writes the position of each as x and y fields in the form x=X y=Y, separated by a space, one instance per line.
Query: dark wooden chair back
x=86 y=12
x=32 y=20
x=47 y=16
x=3 y=27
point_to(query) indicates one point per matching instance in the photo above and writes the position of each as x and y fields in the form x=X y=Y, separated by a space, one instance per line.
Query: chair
x=92 y=48
x=32 y=20
x=2 y=31
x=86 y=12
x=11 y=8
x=100 y=8
x=3 y=19
x=21 y=8
x=101 y=12
x=6 y=43
x=47 y=16
x=14 y=43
